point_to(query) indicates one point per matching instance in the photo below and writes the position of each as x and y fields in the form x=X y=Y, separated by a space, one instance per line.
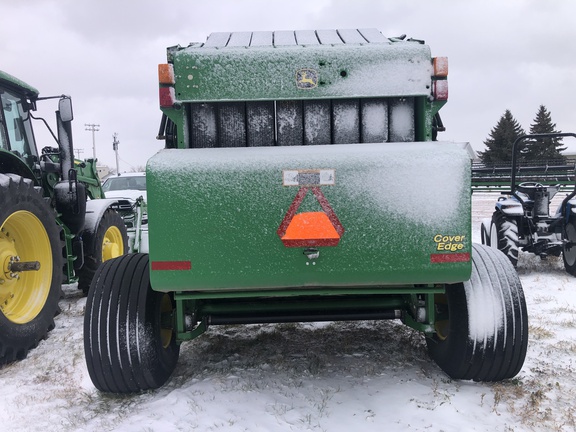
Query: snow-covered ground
x=363 y=376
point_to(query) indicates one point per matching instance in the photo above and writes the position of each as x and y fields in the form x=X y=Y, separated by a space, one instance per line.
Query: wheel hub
x=109 y=250
x=112 y=244
x=6 y=258
x=12 y=266
x=24 y=282
x=7 y=275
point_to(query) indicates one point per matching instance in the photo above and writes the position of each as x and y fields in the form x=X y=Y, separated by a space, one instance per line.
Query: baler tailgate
x=340 y=216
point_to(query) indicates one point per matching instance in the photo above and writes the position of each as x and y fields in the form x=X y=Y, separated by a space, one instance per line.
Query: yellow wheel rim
x=112 y=244
x=23 y=294
x=166 y=311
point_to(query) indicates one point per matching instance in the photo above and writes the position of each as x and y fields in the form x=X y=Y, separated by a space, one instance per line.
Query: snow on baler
x=302 y=181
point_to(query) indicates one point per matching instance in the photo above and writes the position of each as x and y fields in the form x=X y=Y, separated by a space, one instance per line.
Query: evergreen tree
x=543 y=148
x=502 y=137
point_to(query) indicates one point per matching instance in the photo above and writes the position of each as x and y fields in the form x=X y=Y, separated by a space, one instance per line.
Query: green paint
x=272 y=73
x=13 y=83
x=229 y=208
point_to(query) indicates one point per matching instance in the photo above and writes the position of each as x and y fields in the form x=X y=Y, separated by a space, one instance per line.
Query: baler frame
x=413 y=305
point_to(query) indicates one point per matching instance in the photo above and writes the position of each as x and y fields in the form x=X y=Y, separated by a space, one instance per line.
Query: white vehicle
x=127 y=185
x=131 y=186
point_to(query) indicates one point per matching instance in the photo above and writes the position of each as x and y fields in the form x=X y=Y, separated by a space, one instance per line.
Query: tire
x=483 y=333
x=484 y=234
x=127 y=348
x=569 y=251
x=28 y=299
x=504 y=236
x=109 y=240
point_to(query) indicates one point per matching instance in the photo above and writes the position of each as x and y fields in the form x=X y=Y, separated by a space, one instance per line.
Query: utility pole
x=93 y=128
x=78 y=151
x=115 y=148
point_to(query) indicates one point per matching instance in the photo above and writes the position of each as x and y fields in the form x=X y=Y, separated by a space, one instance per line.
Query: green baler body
x=214 y=216
x=261 y=73
x=246 y=157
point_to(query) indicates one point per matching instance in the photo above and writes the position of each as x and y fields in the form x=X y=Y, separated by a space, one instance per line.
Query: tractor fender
x=566 y=209
x=12 y=164
x=572 y=205
x=95 y=210
x=510 y=207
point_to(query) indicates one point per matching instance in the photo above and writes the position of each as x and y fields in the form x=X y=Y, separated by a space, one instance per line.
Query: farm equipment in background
x=131 y=187
x=496 y=178
x=522 y=218
x=301 y=181
x=55 y=225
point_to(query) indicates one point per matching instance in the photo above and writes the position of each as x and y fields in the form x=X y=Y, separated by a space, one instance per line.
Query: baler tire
x=486 y=336
x=127 y=348
x=109 y=240
x=504 y=236
x=569 y=252
x=28 y=299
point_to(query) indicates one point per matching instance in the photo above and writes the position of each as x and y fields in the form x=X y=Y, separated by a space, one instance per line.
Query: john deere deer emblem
x=306 y=78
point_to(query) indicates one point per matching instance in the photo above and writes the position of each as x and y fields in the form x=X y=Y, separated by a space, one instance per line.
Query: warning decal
x=310 y=228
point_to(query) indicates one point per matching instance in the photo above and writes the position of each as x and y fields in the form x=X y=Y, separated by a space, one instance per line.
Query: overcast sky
x=503 y=54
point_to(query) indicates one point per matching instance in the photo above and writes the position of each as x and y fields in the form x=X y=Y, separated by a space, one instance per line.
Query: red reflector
x=167 y=97
x=310 y=229
x=449 y=258
x=441 y=90
x=171 y=265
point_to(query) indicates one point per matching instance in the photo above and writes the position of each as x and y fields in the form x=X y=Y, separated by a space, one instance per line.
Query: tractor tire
x=109 y=240
x=569 y=250
x=484 y=232
x=504 y=236
x=129 y=343
x=482 y=334
x=29 y=298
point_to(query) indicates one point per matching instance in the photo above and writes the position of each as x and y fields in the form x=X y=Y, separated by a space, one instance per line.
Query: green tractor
x=302 y=181
x=55 y=225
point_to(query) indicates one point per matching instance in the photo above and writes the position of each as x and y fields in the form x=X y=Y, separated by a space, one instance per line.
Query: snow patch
x=388 y=176
x=485 y=307
x=4 y=181
x=368 y=376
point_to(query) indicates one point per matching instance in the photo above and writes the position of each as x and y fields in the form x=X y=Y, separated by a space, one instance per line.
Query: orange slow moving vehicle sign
x=309 y=229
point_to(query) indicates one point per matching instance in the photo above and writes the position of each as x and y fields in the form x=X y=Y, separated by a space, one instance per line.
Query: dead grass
x=539 y=332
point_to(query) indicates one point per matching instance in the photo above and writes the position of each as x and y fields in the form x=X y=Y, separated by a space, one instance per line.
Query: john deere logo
x=306 y=78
